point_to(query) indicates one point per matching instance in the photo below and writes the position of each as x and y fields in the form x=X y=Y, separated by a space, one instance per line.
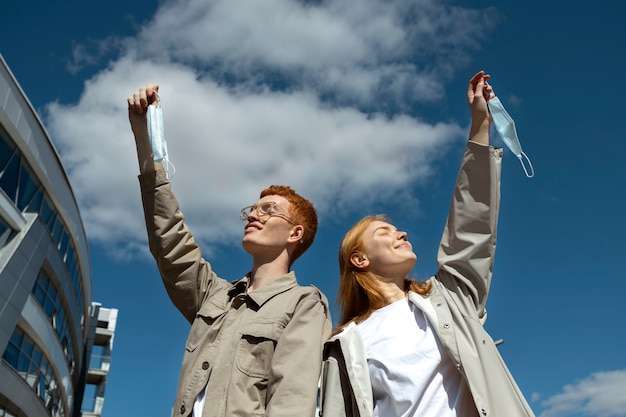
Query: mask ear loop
x=169 y=164
x=521 y=161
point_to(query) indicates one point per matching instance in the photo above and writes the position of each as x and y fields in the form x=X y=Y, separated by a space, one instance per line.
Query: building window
x=21 y=186
x=7 y=150
x=6 y=233
x=9 y=176
x=27 y=190
x=51 y=302
x=32 y=365
x=6 y=411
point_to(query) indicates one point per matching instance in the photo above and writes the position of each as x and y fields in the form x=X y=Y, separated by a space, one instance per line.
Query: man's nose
x=252 y=214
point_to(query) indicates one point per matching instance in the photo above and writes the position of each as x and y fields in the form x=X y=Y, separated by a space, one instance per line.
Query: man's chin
x=248 y=243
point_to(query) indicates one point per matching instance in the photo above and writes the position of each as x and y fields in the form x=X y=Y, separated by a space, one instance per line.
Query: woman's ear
x=296 y=234
x=359 y=260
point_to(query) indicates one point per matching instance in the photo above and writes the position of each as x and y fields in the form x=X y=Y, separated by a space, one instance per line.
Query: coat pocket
x=205 y=327
x=256 y=347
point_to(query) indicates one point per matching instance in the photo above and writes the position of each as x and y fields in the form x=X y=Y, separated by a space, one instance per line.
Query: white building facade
x=48 y=322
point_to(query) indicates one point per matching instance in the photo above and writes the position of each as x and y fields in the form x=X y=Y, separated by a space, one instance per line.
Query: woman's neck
x=393 y=291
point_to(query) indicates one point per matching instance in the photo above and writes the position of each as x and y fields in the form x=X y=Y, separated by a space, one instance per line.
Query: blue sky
x=360 y=106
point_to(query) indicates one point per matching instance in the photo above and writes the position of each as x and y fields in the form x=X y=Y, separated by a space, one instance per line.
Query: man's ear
x=296 y=234
x=359 y=260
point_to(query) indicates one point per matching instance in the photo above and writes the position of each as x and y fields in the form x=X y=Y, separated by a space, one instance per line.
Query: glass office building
x=54 y=340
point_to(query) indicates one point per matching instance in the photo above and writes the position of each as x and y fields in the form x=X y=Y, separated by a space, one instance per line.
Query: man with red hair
x=255 y=345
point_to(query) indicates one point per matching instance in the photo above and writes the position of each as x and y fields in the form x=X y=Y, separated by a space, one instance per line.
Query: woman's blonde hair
x=359 y=291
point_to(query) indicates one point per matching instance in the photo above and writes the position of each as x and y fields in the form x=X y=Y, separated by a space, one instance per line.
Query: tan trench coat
x=455 y=305
x=260 y=353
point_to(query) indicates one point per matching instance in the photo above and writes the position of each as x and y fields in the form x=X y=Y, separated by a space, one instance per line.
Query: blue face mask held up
x=505 y=126
x=156 y=133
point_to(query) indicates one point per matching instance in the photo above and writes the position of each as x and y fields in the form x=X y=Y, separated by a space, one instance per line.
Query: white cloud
x=351 y=51
x=231 y=139
x=600 y=395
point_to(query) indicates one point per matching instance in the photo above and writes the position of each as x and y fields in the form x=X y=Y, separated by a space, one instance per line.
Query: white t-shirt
x=411 y=373
x=198 y=405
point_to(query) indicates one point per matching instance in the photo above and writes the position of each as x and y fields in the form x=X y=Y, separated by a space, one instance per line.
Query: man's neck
x=266 y=273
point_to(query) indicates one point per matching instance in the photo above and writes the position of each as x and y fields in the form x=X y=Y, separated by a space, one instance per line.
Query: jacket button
x=484 y=412
x=446 y=326
x=205 y=365
x=182 y=409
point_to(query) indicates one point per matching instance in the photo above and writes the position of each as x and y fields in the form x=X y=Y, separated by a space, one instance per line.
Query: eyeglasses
x=264 y=211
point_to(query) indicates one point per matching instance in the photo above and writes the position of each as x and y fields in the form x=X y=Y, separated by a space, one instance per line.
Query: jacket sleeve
x=466 y=253
x=346 y=388
x=187 y=277
x=336 y=394
x=296 y=364
x=331 y=403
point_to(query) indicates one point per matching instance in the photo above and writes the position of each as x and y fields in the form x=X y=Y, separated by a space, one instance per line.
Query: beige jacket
x=259 y=353
x=455 y=306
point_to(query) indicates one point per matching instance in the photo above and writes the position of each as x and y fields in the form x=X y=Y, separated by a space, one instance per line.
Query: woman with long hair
x=408 y=348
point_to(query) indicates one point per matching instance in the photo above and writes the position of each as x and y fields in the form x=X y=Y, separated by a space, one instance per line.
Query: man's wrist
x=479 y=131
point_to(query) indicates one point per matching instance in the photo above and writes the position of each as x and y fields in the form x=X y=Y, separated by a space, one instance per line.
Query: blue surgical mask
x=505 y=126
x=156 y=133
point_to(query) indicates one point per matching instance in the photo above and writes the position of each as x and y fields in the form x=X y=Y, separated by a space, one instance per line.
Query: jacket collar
x=425 y=304
x=263 y=294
